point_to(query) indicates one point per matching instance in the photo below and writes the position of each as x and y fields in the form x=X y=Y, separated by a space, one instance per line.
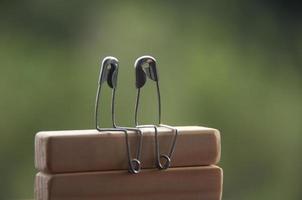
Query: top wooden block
x=90 y=150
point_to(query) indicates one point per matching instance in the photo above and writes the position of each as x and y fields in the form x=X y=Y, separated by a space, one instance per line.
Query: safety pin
x=109 y=73
x=145 y=66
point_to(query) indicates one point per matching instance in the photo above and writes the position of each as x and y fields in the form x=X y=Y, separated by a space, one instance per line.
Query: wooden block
x=190 y=183
x=90 y=150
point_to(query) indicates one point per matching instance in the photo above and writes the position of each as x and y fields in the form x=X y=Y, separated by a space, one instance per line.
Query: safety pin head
x=145 y=66
x=109 y=71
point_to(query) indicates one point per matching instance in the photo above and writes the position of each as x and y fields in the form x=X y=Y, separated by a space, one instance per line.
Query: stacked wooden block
x=87 y=164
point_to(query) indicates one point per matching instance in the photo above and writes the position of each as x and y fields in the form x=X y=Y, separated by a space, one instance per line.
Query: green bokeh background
x=233 y=65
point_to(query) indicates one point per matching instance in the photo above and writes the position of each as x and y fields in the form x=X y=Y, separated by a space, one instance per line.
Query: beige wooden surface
x=90 y=150
x=190 y=183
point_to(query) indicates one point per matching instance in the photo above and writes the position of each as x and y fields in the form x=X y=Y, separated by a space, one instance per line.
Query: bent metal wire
x=145 y=66
x=109 y=73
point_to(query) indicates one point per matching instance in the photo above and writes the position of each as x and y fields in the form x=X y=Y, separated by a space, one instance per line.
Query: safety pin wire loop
x=136 y=130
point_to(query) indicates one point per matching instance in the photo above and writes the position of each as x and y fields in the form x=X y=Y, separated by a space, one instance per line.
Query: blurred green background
x=233 y=65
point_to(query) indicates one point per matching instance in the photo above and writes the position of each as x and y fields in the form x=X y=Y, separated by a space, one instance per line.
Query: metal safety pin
x=145 y=66
x=109 y=73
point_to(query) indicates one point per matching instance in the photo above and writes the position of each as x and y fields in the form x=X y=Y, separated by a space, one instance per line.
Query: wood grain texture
x=90 y=150
x=190 y=183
